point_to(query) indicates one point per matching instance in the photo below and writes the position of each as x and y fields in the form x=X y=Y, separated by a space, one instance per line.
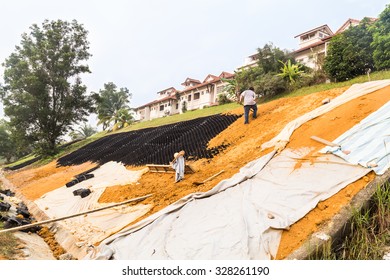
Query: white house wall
x=206 y=98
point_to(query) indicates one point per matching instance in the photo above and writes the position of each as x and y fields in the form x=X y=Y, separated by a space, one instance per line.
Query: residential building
x=312 y=47
x=250 y=61
x=194 y=95
x=313 y=44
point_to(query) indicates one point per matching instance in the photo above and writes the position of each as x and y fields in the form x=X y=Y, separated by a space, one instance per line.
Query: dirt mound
x=243 y=144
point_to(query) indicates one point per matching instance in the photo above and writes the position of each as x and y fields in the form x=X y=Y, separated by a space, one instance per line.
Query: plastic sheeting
x=353 y=92
x=241 y=218
x=368 y=142
x=96 y=226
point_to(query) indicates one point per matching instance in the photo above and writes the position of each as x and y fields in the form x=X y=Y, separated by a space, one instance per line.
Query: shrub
x=270 y=85
x=223 y=99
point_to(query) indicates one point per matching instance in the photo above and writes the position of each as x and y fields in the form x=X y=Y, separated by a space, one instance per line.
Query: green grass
x=189 y=115
x=21 y=160
x=8 y=243
x=369 y=235
x=380 y=75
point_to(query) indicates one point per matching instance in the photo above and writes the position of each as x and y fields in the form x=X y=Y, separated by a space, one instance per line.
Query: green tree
x=270 y=85
x=83 y=131
x=7 y=147
x=350 y=53
x=43 y=92
x=109 y=101
x=247 y=77
x=269 y=57
x=381 y=40
x=122 y=119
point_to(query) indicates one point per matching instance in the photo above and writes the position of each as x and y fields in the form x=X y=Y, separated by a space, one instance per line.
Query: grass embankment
x=369 y=237
x=375 y=76
x=8 y=245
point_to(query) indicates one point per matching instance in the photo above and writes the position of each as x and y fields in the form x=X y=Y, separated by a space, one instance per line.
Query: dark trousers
x=247 y=108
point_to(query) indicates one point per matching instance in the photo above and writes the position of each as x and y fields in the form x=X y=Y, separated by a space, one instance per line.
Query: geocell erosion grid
x=155 y=145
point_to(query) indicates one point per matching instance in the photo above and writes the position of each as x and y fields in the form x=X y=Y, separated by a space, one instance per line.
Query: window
x=177 y=106
x=189 y=97
x=161 y=107
x=196 y=95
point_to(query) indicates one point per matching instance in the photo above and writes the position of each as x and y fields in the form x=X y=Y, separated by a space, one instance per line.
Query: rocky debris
x=5 y=206
x=15 y=213
x=7 y=192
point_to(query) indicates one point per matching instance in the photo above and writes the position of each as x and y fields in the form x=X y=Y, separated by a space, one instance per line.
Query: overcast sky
x=150 y=45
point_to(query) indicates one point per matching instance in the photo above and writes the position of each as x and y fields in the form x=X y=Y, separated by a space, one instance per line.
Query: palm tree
x=109 y=102
x=122 y=119
x=83 y=131
x=231 y=89
x=290 y=72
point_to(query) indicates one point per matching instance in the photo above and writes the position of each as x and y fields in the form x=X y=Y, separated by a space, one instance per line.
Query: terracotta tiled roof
x=209 y=76
x=315 y=29
x=224 y=75
x=347 y=23
x=171 y=97
x=351 y=21
x=174 y=90
x=189 y=80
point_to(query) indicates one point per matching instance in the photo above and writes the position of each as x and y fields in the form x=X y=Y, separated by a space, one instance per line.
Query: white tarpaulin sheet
x=96 y=226
x=240 y=218
x=353 y=92
x=368 y=142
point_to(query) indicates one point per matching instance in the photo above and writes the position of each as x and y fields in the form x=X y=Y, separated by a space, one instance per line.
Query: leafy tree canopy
x=350 y=53
x=381 y=40
x=43 y=92
x=111 y=103
x=269 y=57
x=7 y=149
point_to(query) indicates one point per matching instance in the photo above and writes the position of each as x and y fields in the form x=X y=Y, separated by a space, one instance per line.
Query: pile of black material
x=155 y=145
x=23 y=217
x=17 y=222
x=82 y=192
x=23 y=210
x=4 y=206
x=7 y=192
x=79 y=179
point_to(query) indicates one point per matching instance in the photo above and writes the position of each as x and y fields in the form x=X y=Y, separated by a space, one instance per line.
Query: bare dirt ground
x=244 y=146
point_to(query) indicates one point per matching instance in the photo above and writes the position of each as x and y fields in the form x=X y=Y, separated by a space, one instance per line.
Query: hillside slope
x=243 y=145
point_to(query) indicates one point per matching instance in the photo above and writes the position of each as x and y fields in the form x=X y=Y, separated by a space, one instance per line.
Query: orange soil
x=244 y=146
x=34 y=182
